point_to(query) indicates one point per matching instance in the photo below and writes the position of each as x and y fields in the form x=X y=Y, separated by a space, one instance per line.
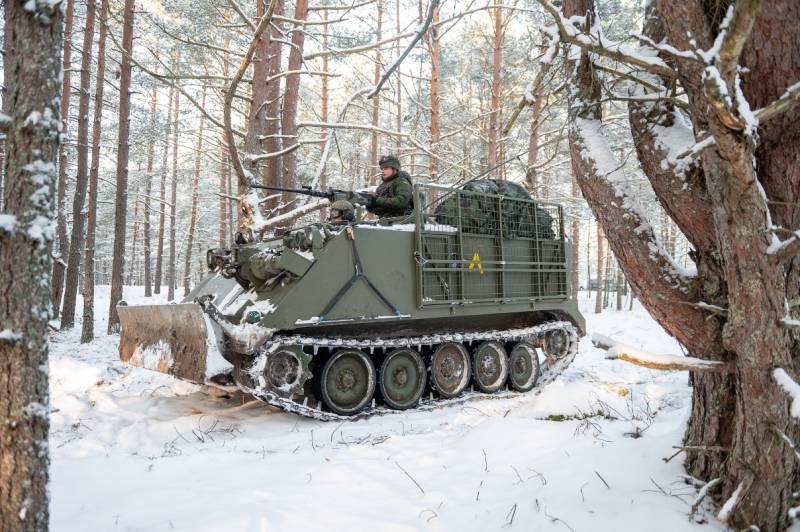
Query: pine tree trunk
x=259 y=120
x=123 y=150
x=606 y=282
x=171 y=281
x=435 y=50
x=291 y=99
x=233 y=223
x=59 y=266
x=195 y=193
x=588 y=259
x=495 y=102
x=598 y=302
x=4 y=109
x=272 y=144
x=533 y=144
x=82 y=175
x=133 y=270
x=574 y=275
x=33 y=45
x=87 y=330
x=223 y=164
x=223 y=192
x=399 y=81
x=376 y=109
x=148 y=192
x=323 y=178
x=162 y=198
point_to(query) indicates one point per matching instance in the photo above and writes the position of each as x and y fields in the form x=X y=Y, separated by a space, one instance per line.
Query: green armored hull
x=470 y=291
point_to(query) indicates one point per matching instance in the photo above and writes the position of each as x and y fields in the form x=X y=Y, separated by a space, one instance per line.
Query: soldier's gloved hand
x=372 y=202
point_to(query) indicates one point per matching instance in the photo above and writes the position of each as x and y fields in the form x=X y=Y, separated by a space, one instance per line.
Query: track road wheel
x=490 y=366
x=523 y=367
x=286 y=370
x=347 y=382
x=450 y=369
x=556 y=343
x=402 y=378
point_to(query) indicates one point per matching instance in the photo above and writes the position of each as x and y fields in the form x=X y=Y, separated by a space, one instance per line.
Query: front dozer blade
x=167 y=338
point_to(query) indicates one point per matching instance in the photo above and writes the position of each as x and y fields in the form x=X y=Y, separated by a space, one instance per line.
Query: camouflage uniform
x=393 y=197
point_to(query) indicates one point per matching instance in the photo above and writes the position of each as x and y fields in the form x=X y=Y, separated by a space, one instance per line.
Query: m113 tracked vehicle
x=468 y=296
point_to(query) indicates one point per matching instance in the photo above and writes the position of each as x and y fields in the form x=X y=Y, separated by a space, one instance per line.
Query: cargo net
x=476 y=246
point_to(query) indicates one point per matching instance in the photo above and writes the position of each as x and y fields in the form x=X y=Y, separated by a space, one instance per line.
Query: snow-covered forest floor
x=137 y=450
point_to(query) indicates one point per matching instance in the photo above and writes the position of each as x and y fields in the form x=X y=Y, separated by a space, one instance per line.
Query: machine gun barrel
x=332 y=194
x=306 y=191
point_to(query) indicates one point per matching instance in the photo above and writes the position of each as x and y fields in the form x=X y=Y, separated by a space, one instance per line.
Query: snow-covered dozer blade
x=171 y=339
x=178 y=339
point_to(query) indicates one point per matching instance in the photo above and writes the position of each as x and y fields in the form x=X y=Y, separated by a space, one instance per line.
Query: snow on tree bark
x=34 y=47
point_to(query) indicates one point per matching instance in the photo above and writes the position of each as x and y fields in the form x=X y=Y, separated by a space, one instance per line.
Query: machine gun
x=332 y=194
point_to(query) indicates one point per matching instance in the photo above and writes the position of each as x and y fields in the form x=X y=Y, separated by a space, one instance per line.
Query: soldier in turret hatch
x=394 y=195
x=341 y=212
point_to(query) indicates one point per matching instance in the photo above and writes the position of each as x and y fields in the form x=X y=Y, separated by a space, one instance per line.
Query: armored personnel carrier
x=467 y=296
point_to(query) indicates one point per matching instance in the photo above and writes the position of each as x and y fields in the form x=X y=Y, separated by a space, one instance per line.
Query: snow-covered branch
x=619 y=351
x=597 y=43
x=702 y=495
x=783 y=250
x=721 y=76
x=789 y=386
x=735 y=31
x=785 y=103
x=730 y=505
x=261 y=224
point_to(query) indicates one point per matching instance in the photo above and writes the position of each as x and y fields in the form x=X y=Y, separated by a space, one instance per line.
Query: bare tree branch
x=433 y=5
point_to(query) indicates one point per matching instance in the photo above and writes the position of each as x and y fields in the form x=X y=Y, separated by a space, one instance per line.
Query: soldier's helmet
x=389 y=161
x=342 y=210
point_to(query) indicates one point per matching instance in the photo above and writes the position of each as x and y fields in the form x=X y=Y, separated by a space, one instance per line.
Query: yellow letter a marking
x=476 y=262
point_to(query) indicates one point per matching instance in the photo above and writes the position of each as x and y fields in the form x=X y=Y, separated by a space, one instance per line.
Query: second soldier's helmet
x=343 y=209
x=389 y=161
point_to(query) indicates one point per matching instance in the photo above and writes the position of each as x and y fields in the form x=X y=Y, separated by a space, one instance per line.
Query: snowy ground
x=137 y=450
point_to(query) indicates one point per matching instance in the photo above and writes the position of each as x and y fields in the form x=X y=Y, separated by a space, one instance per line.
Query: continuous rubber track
x=548 y=369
